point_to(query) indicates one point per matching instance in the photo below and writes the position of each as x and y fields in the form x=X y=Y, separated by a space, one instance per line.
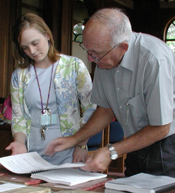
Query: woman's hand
x=17 y=148
x=80 y=155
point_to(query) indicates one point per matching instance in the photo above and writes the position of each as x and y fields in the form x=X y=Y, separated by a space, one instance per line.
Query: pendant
x=43 y=129
x=46 y=111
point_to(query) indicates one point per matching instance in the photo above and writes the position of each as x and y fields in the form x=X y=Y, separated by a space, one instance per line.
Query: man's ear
x=124 y=46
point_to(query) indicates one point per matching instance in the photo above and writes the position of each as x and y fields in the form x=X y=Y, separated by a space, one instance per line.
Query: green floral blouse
x=73 y=86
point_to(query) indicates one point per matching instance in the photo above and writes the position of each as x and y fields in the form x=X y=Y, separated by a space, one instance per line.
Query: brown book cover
x=8 y=176
x=87 y=186
x=22 y=179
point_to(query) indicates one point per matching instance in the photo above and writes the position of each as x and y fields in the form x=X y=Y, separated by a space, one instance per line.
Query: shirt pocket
x=136 y=112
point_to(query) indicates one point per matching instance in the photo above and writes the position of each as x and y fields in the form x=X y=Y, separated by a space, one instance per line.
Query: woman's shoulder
x=67 y=59
x=20 y=72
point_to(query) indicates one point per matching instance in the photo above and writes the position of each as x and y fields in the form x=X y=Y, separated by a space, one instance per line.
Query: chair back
x=116 y=132
x=96 y=141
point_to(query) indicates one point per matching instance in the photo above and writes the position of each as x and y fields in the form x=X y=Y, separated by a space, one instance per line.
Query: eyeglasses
x=95 y=58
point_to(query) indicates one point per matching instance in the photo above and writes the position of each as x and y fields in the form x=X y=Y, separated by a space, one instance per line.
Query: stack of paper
x=41 y=169
x=141 y=183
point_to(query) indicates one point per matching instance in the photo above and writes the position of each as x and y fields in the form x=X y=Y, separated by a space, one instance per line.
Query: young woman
x=46 y=90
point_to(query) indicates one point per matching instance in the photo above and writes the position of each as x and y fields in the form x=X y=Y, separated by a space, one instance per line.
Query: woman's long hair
x=22 y=23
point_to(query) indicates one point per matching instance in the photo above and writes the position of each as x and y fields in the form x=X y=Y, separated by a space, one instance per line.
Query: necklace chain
x=40 y=88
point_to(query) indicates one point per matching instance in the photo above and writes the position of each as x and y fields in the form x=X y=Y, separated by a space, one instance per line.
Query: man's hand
x=60 y=144
x=98 y=161
x=17 y=148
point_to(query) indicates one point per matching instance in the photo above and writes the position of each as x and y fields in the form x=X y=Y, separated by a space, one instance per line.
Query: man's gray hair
x=117 y=23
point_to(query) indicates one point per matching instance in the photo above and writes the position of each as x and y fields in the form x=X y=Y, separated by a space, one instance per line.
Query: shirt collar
x=128 y=59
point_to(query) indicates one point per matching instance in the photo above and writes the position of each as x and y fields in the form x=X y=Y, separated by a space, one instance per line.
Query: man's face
x=96 y=42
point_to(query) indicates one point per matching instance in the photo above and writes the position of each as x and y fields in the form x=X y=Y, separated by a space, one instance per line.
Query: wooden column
x=7 y=18
x=4 y=32
x=66 y=30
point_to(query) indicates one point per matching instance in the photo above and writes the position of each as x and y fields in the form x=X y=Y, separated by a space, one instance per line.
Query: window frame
x=171 y=21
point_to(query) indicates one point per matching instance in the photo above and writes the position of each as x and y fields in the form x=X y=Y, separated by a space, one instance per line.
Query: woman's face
x=35 y=45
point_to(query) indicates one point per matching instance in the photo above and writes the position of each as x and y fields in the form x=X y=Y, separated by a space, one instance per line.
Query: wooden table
x=25 y=179
x=7 y=176
x=5 y=139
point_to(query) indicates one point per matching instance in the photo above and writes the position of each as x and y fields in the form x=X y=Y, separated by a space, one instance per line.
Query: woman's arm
x=18 y=145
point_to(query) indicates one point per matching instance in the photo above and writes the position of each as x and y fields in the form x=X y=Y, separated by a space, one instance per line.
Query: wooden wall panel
x=8 y=14
x=66 y=29
x=55 y=20
x=58 y=15
x=4 y=32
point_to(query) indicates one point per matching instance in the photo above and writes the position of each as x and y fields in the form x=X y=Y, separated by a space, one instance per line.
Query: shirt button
x=118 y=88
x=121 y=107
x=118 y=71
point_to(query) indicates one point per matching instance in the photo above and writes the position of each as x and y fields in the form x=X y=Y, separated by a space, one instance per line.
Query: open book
x=141 y=183
x=41 y=169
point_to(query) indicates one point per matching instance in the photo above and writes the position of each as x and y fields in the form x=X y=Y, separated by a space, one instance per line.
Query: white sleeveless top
x=33 y=101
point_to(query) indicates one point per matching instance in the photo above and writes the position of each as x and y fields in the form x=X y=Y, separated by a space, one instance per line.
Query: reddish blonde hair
x=22 y=23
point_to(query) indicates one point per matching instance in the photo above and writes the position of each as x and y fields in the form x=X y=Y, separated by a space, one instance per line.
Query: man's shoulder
x=149 y=45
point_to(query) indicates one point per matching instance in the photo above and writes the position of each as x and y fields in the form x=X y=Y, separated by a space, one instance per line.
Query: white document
x=10 y=186
x=141 y=183
x=31 y=162
x=68 y=176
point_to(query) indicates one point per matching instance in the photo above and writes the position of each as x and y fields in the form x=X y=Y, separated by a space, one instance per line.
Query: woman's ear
x=47 y=36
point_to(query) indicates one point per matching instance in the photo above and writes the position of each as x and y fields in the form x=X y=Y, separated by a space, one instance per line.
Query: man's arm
x=143 y=138
x=100 y=160
x=97 y=122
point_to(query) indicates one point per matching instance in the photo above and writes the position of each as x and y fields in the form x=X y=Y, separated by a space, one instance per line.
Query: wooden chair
x=113 y=134
x=95 y=142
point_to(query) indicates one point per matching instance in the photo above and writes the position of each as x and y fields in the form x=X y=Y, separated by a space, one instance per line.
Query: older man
x=135 y=82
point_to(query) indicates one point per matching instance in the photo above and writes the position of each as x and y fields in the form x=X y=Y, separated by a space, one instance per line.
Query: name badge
x=48 y=119
x=45 y=119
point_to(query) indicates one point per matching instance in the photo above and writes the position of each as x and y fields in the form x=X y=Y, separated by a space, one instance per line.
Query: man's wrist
x=113 y=153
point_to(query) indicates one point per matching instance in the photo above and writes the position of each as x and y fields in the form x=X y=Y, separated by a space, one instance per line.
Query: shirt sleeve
x=19 y=123
x=158 y=90
x=84 y=89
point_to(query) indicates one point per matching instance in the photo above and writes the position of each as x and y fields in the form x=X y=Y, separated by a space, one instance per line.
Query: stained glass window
x=170 y=35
